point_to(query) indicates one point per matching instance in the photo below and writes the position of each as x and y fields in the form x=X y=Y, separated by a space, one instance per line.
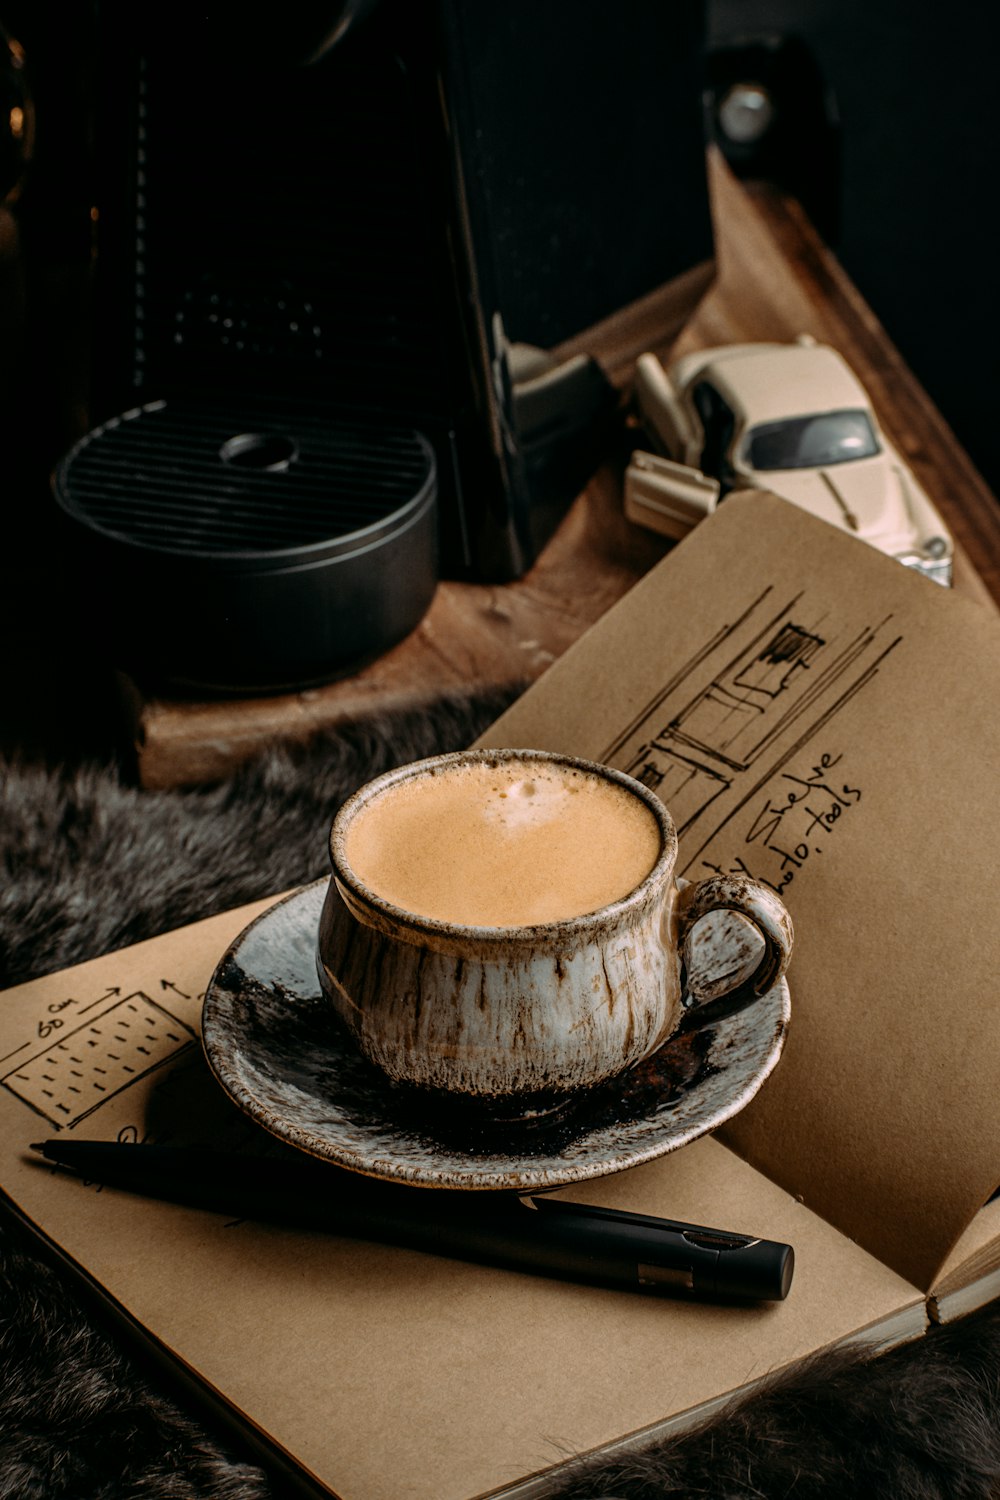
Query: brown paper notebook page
x=820 y=716
x=380 y=1371
x=327 y=1345
x=970 y=1276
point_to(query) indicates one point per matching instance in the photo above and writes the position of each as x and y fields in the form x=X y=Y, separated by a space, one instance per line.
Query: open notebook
x=811 y=711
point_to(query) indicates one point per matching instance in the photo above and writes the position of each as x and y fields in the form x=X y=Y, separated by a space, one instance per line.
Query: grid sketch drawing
x=91 y=1064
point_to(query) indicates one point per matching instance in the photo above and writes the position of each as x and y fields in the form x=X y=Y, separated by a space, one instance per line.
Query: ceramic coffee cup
x=505 y=927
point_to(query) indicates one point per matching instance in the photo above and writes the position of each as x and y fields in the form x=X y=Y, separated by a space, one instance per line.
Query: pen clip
x=695 y=1234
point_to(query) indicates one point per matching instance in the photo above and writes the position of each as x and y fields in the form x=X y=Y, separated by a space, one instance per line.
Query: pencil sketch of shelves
x=97 y=1060
x=718 y=730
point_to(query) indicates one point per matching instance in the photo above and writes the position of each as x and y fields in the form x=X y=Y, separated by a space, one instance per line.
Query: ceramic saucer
x=276 y=1048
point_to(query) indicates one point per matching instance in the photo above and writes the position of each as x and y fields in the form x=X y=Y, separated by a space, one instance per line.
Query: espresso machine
x=357 y=278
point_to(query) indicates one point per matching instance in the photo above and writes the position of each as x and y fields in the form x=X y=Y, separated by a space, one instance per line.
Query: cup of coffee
x=504 y=926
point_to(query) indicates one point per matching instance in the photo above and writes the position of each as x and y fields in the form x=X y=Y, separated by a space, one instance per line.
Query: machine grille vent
x=245 y=479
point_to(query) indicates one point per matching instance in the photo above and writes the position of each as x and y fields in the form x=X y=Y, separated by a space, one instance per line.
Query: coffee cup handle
x=768 y=914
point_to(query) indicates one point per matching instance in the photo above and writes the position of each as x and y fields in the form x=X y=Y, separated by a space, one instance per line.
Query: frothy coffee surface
x=507 y=845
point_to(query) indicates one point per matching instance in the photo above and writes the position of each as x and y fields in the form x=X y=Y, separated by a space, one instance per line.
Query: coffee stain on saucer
x=279 y=1052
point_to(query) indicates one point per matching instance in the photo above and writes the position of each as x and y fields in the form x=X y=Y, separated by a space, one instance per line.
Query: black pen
x=553 y=1236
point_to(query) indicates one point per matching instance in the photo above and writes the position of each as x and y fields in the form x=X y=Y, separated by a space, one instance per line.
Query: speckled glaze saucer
x=277 y=1049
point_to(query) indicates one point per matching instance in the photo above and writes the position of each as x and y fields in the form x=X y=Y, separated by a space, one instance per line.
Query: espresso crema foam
x=510 y=845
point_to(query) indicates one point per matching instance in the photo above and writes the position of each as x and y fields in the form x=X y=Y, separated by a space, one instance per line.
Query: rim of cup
x=405 y=921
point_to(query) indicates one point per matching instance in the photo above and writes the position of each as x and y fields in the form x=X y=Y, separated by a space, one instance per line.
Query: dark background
x=916 y=91
x=902 y=184
x=916 y=94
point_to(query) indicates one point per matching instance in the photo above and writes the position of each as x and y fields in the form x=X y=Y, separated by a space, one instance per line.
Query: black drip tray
x=270 y=546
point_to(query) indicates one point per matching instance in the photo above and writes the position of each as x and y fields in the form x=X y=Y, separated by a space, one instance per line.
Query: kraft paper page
x=827 y=720
x=329 y=1345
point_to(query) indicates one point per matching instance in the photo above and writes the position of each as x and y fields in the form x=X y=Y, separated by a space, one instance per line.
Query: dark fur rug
x=89 y=864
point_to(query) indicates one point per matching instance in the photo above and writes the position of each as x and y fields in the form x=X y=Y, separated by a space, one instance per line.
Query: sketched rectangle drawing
x=718 y=730
x=71 y=1078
